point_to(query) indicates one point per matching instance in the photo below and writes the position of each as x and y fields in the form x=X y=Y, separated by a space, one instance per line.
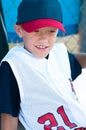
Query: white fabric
x=45 y=90
x=80 y=87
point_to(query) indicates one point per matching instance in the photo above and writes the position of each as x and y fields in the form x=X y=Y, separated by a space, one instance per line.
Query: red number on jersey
x=48 y=117
x=61 y=111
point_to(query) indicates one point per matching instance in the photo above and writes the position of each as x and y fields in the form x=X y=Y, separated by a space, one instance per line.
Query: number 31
x=53 y=123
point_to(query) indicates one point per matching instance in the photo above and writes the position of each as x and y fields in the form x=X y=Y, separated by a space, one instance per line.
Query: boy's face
x=39 y=42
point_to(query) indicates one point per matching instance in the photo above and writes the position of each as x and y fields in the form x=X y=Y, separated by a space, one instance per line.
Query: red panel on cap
x=40 y=23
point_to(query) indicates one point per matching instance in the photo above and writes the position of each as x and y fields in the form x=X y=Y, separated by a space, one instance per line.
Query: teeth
x=41 y=46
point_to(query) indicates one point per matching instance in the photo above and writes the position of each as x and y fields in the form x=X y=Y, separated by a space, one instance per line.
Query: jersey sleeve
x=9 y=92
x=75 y=66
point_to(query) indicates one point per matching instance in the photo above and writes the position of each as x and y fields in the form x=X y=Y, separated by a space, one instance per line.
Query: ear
x=18 y=30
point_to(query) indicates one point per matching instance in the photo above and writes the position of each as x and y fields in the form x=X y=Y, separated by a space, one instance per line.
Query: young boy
x=35 y=80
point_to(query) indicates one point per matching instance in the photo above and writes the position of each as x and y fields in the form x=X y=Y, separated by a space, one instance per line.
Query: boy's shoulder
x=59 y=49
x=60 y=46
x=61 y=54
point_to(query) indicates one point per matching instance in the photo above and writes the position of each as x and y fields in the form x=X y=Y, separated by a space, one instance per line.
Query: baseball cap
x=36 y=14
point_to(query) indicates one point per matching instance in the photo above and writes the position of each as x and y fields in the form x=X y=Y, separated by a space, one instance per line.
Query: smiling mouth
x=41 y=47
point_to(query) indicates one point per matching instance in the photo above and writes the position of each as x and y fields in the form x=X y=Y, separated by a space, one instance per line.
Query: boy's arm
x=81 y=58
x=8 y=122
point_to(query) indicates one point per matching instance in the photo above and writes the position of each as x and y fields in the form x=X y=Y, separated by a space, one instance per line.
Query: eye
x=36 y=31
x=52 y=31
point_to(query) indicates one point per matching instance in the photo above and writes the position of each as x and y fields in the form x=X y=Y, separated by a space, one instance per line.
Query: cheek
x=29 y=42
x=52 y=39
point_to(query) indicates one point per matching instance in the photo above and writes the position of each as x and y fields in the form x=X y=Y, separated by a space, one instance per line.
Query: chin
x=41 y=57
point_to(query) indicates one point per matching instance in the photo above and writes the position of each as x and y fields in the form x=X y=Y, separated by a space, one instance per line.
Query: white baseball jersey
x=47 y=99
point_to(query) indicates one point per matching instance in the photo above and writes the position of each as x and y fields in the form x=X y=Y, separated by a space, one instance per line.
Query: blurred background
x=74 y=20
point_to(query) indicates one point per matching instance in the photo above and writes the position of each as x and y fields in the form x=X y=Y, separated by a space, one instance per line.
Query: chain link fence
x=72 y=16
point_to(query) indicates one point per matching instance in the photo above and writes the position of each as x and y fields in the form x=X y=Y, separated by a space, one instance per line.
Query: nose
x=44 y=35
x=43 y=38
